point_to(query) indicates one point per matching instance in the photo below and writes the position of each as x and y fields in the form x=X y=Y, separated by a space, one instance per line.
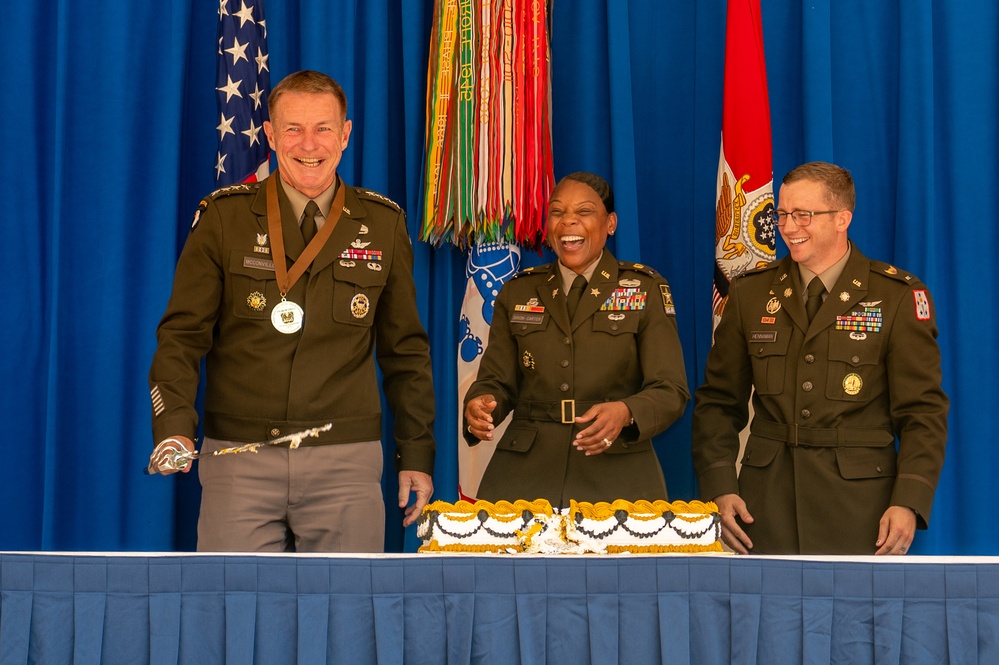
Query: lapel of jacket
x=850 y=289
x=291 y=233
x=550 y=293
x=784 y=293
x=347 y=231
x=602 y=283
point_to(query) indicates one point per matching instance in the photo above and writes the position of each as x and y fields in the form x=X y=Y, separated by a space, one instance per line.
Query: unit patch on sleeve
x=922 y=304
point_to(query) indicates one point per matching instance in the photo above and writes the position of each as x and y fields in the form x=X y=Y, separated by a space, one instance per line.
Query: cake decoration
x=583 y=528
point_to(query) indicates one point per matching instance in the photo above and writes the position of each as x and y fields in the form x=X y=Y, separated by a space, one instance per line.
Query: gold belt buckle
x=572 y=410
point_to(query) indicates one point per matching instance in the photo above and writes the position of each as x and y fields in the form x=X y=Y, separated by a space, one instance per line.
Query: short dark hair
x=307 y=80
x=596 y=183
x=837 y=180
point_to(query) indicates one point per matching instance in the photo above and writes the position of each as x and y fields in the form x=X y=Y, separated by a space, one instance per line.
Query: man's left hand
x=896 y=531
x=420 y=483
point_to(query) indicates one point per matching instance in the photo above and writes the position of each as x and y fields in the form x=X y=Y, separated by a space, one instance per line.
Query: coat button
x=614 y=326
x=564 y=387
x=809 y=358
x=855 y=359
x=806 y=386
x=275 y=432
x=564 y=363
x=879 y=469
x=566 y=341
x=806 y=414
x=523 y=326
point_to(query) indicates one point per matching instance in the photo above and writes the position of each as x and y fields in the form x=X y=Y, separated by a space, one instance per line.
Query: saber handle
x=175 y=457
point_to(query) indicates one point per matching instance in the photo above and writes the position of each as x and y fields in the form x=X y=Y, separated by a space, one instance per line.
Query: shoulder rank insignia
x=638 y=267
x=369 y=194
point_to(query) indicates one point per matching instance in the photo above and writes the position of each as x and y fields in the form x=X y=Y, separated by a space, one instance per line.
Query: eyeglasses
x=801 y=217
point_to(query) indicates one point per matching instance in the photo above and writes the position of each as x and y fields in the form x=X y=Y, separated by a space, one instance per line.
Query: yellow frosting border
x=502 y=511
x=643 y=510
x=434 y=546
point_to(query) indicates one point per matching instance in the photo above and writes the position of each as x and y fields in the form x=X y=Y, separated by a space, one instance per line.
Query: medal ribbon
x=287 y=278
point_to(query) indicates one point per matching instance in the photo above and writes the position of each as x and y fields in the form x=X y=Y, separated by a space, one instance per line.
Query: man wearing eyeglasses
x=839 y=354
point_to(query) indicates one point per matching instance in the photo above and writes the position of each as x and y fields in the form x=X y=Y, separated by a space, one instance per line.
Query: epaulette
x=758 y=269
x=238 y=188
x=888 y=270
x=533 y=270
x=375 y=196
x=637 y=267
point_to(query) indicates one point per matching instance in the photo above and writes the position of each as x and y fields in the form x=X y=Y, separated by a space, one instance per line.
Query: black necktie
x=575 y=294
x=309 y=222
x=815 y=290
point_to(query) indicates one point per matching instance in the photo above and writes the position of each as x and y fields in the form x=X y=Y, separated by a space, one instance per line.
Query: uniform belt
x=562 y=411
x=831 y=437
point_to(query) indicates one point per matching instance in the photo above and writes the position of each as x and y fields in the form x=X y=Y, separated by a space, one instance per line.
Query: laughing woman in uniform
x=584 y=352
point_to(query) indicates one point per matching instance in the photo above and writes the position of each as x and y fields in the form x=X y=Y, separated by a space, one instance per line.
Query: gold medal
x=287 y=317
x=852 y=384
x=359 y=306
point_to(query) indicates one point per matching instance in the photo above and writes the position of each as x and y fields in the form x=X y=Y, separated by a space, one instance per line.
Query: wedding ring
x=607 y=443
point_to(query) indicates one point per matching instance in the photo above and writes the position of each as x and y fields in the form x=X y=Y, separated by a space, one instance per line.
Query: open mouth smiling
x=571 y=241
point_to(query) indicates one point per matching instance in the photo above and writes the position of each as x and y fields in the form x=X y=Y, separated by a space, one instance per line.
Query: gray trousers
x=311 y=499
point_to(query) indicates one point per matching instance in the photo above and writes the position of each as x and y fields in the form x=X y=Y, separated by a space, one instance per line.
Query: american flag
x=243 y=85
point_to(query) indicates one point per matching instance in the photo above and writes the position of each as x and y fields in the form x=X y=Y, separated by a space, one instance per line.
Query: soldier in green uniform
x=588 y=389
x=840 y=356
x=290 y=329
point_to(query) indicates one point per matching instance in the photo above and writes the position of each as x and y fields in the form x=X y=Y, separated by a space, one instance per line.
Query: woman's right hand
x=478 y=416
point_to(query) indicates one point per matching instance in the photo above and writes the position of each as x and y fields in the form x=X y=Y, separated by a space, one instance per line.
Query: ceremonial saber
x=178 y=458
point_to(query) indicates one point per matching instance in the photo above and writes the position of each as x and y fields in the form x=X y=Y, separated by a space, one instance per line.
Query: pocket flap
x=857 y=463
x=760 y=452
x=518 y=439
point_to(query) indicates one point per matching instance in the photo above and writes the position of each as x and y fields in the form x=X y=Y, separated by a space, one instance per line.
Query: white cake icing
x=534 y=527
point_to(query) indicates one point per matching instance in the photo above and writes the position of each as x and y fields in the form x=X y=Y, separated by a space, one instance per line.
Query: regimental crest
x=359 y=305
x=256 y=301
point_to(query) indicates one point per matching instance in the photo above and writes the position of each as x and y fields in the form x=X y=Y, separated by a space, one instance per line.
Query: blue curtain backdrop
x=109 y=132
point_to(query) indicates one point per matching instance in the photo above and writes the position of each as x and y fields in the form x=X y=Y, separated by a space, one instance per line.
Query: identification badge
x=287 y=317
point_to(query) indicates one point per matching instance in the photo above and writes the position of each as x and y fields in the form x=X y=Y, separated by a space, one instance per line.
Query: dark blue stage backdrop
x=110 y=133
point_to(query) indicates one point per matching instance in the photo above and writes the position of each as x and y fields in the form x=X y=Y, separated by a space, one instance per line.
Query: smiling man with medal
x=289 y=324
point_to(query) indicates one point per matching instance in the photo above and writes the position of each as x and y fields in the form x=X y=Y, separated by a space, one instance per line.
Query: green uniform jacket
x=830 y=399
x=535 y=359
x=262 y=383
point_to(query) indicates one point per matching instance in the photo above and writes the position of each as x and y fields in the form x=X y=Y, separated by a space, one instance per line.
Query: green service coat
x=262 y=383
x=829 y=400
x=536 y=359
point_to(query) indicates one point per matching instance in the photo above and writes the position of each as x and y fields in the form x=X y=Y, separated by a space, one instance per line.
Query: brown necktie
x=309 y=222
x=575 y=295
x=815 y=290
